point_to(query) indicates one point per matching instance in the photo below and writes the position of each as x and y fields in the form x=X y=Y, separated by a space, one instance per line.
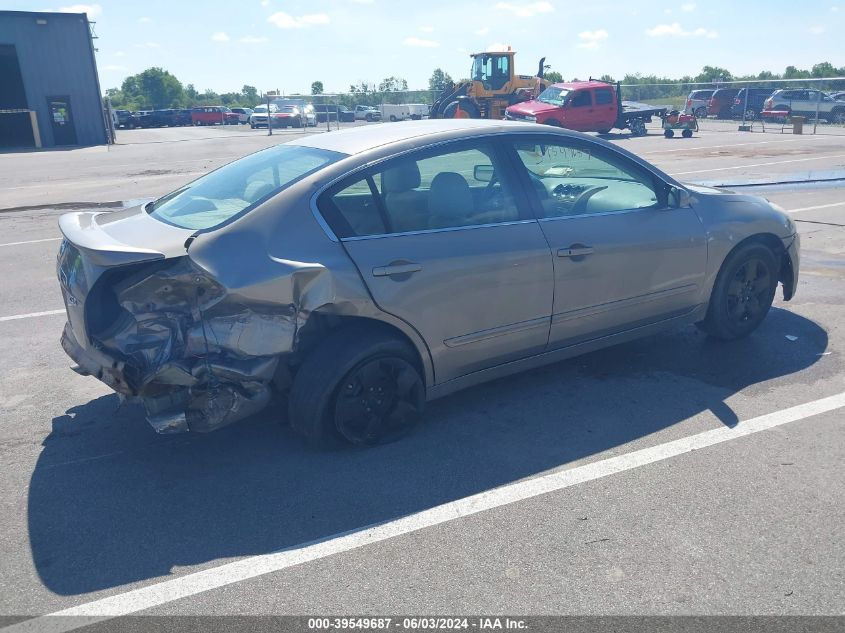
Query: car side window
x=604 y=96
x=573 y=180
x=443 y=190
x=581 y=99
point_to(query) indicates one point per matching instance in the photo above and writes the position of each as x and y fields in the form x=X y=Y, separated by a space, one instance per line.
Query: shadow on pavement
x=111 y=503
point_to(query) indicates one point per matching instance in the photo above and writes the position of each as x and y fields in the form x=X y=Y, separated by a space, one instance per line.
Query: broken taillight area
x=196 y=355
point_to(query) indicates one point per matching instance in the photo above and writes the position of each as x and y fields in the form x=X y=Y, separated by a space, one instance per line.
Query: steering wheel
x=493 y=196
x=580 y=204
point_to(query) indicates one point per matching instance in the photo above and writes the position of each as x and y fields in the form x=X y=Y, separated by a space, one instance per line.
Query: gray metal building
x=48 y=76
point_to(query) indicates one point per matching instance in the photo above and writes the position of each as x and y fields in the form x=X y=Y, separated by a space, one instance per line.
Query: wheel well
x=316 y=328
x=774 y=243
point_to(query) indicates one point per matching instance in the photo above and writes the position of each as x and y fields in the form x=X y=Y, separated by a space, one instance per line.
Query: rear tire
x=359 y=386
x=687 y=133
x=700 y=112
x=743 y=293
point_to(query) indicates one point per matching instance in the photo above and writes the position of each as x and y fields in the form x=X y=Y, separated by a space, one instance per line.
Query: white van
x=394 y=112
x=418 y=110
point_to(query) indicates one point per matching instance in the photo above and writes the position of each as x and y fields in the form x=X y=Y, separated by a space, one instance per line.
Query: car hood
x=122 y=237
x=532 y=107
x=738 y=214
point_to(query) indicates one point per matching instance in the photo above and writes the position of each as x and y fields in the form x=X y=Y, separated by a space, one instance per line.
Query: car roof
x=574 y=85
x=362 y=139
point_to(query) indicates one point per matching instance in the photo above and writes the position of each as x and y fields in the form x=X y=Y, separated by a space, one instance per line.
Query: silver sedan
x=359 y=274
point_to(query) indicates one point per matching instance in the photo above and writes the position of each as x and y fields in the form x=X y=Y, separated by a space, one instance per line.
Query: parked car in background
x=418 y=111
x=183 y=117
x=394 y=112
x=697 y=102
x=753 y=106
x=487 y=248
x=332 y=112
x=243 y=114
x=721 y=102
x=214 y=115
x=126 y=119
x=367 y=113
x=805 y=103
x=143 y=118
x=258 y=118
x=163 y=118
x=287 y=116
x=838 y=96
x=306 y=107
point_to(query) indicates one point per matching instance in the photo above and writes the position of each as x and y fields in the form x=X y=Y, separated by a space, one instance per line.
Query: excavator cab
x=493 y=86
x=492 y=70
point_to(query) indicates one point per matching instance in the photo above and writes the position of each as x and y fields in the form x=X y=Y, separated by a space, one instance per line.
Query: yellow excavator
x=492 y=87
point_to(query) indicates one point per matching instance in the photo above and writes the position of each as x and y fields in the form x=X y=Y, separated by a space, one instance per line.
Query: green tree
x=154 y=87
x=553 y=76
x=250 y=94
x=393 y=84
x=317 y=88
x=439 y=80
x=824 y=69
x=713 y=73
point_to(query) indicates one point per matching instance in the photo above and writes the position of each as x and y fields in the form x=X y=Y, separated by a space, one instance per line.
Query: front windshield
x=223 y=194
x=260 y=109
x=554 y=96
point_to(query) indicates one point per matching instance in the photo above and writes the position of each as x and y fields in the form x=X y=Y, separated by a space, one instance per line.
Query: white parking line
x=818 y=206
x=704 y=148
x=15 y=317
x=47 y=239
x=780 y=162
x=230 y=573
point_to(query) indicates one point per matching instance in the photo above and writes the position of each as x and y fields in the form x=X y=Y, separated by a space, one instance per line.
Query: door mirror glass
x=483 y=173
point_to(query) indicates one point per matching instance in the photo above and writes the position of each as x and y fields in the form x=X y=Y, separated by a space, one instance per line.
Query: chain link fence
x=817 y=105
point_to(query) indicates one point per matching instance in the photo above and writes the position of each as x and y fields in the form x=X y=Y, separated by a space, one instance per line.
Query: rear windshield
x=233 y=189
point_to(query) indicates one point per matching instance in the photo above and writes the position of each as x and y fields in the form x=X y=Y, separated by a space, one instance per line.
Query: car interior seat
x=450 y=201
x=404 y=203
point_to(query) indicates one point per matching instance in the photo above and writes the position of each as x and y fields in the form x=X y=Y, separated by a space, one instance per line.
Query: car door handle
x=575 y=251
x=403 y=268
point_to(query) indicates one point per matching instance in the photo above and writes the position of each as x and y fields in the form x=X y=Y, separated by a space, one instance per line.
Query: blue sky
x=275 y=44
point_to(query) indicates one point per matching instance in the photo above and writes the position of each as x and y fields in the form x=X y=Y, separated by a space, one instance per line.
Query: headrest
x=403 y=177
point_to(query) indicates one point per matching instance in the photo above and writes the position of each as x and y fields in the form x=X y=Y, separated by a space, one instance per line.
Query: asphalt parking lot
x=668 y=476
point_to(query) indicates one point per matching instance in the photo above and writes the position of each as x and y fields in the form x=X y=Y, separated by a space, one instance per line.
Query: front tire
x=463 y=109
x=359 y=386
x=743 y=293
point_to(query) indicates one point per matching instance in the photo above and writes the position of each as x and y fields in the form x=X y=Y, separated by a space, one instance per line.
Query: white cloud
x=265 y=3
x=427 y=29
x=253 y=39
x=816 y=30
x=148 y=45
x=688 y=7
x=592 y=39
x=144 y=20
x=482 y=31
x=834 y=9
x=114 y=67
x=120 y=54
x=420 y=43
x=286 y=21
x=526 y=9
x=93 y=10
x=676 y=30
x=220 y=36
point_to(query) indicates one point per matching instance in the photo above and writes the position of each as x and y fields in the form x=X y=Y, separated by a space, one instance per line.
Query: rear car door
x=443 y=242
x=605 y=108
x=622 y=257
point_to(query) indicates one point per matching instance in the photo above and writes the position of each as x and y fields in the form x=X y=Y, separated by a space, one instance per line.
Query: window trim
x=659 y=185
x=368 y=171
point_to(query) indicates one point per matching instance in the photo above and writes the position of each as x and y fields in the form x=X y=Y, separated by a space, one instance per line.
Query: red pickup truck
x=586 y=106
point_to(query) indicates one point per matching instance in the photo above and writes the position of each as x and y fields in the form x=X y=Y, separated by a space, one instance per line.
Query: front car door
x=622 y=257
x=443 y=242
x=579 y=111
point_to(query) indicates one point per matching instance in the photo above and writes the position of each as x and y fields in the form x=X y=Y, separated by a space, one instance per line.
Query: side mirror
x=483 y=173
x=678 y=197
